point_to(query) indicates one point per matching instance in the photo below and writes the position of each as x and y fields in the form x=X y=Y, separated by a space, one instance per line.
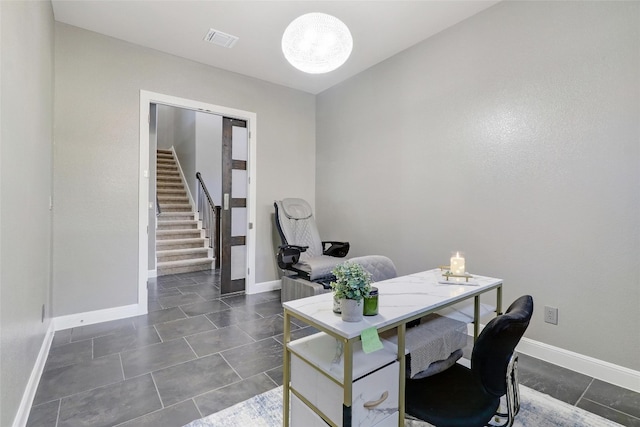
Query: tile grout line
x=157 y=391
x=189 y=345
x=232 y=368
x=610 y=408
x=124 y=377
x=193 y=399
x=584 y=392
x=158 y=333
x=58 y=414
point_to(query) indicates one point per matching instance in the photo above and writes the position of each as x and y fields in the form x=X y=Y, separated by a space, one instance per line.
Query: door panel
x=238 y=262
x=240 y=148
x=238 y=222
x=239 y=184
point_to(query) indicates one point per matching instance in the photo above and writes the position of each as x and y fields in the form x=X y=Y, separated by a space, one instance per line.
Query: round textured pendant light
x=317 y=43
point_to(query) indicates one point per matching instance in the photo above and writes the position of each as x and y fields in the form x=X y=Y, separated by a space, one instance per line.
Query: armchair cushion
x=380 y=267
x=318 y=266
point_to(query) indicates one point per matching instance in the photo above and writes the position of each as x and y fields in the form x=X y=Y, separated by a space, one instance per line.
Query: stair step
x=178 y=234
x=166 y=164
x=162 y=185
x=163 y=151
x=167 y=245
x=161 y=172
x=184 y=266
x=171 y=199
x=175 y=207
x=169 y=179
x=166 y=170
x=171 y=192
x=175 y=216
x=181 y=254
x=166 y=160
x=163 y=193
x=178 y=225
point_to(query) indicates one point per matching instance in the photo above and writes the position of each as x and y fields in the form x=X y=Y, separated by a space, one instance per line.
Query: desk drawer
x=303 y=416
x=327 y=396
x=381 y=386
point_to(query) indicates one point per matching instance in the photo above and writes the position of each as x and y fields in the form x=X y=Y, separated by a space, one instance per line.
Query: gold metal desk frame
x=348 y=343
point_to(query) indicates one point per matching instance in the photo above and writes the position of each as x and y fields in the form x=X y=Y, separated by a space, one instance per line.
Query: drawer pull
x=375 y=403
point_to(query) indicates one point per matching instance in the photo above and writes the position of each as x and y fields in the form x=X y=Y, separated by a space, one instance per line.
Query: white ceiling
x=380 y=29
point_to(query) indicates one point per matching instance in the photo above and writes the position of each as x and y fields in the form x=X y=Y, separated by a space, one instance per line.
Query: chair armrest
x=288 y=255
x=336 y=249
x=296 y=247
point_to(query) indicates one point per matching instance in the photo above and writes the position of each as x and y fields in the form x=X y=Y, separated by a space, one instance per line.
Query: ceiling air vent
x=220 y=38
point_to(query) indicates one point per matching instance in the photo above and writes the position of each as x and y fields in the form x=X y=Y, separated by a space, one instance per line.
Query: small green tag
x=370 y=340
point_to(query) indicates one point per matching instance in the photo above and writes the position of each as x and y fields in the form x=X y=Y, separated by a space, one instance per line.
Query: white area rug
x=536 y=410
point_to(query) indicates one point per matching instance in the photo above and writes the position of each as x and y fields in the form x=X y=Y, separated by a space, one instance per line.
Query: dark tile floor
x=196 y=353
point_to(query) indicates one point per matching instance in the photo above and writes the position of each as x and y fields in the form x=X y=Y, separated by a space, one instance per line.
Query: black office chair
x=463 y=397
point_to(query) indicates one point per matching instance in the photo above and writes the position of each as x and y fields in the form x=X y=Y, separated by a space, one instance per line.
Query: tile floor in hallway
x=196 y=353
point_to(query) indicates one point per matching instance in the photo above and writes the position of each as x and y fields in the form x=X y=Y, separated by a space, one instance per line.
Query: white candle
x=457 y=264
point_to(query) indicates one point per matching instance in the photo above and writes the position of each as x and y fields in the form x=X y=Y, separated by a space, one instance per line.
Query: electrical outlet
x=551 y=315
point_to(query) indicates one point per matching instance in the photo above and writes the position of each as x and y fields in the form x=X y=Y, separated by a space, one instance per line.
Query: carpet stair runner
x=180 y=243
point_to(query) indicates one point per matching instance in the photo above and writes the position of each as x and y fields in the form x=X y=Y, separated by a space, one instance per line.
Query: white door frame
x=147 y=98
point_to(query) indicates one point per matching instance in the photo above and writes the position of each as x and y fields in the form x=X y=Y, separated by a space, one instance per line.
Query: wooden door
x=234 y=214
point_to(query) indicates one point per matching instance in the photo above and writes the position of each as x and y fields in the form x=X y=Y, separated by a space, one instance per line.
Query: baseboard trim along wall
x=596 y=368
x=22 y=416
x=605 y=371
x=97 y=316
x=265 y=287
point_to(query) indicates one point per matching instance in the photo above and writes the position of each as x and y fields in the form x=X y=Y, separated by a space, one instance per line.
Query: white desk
x=401 y=300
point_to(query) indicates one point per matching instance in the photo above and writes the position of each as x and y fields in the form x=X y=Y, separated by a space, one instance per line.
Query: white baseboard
x=97 y=316
x=264 y=287
x=152 y=273
x=604 y=371
x=34 y=379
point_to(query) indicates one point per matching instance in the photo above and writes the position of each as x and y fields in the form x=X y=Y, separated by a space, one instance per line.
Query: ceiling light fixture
x=317 y=43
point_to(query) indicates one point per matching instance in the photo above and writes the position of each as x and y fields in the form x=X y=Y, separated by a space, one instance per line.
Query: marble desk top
x=399 y=299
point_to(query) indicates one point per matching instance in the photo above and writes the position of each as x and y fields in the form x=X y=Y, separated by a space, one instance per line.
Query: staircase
x=180 y=245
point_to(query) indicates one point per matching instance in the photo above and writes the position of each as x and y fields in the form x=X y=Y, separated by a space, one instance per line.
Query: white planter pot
x=336 y=304
x=351 y=310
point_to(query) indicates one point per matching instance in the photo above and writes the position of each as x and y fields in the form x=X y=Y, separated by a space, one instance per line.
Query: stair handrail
x=210 y=217
x=158 y=209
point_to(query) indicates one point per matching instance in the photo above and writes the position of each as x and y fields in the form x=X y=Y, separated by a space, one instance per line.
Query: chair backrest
x=496 y=344
x=380 y=267
x=296 y=226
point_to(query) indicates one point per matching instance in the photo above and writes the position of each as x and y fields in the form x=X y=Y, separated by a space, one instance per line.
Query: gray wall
x=26 y=93
x=184 y=142
x=166 y=119
x=97 y=82
x=209 y=153
x=512 y=136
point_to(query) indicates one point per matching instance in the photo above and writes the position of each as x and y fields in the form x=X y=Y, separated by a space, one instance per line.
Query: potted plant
x=352 y=284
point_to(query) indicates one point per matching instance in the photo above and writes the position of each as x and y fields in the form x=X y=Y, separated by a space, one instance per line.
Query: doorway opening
x=238 y=190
